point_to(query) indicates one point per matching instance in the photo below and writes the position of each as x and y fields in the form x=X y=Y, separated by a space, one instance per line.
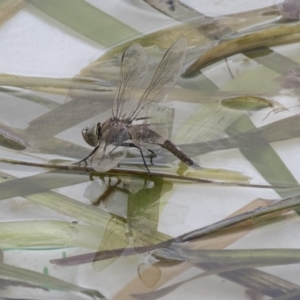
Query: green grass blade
x=264 y=158
x=48 y=234
x=39 y=183
x=87 y=20
x=253 y=216
x=247 y=256
x=42 y=280
x=31 y=97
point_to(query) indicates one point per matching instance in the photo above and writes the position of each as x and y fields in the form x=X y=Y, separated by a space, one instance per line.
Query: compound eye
x=90 y=134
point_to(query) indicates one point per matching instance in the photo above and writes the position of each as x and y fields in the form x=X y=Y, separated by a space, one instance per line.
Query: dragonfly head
x=92 y=134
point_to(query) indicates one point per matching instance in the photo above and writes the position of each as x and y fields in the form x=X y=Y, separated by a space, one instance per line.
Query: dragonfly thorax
x=92 y=134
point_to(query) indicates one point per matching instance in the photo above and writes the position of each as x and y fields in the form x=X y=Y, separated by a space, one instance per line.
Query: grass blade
x=263 y=157
x=48 y=234
x=87 y=20
x=44 y=281
x=266 y=38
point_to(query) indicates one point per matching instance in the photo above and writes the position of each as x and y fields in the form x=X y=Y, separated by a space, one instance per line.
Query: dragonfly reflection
x=138 y=225
x=113 y=138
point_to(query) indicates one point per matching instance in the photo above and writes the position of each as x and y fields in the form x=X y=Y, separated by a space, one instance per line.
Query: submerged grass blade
x=165 y=291
x=175 y=9
x=11 y=139
x=163 y=38
x=68 y=115
x=273 y=60
x=31 y=97
x=246 y=136
x=48 y=234
x=4 y=283
x=251 y=217
x=293 y=295
x=38 y=83
x=39 y=183
x=262 y=282
x=44 y=281
x=219 y=175
x=263 y=157
x=265 y=283
x=67 y=206
x=244 y=256
x=207 y=123
x=197 y=31
x=265 y=38
x=87 y=20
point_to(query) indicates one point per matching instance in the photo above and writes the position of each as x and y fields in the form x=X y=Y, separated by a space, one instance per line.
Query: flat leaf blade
x=86 y=20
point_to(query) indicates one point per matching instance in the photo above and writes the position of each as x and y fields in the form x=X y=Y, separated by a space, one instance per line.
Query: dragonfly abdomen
x=168 y=145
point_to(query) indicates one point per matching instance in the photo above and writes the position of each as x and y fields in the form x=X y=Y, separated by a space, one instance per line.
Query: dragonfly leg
x=135 y=146
x=153 y=154
x=110 y=188
x=85 y=159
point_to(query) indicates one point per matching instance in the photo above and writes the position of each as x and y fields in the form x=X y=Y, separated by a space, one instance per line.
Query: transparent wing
x=114 y=238
x=112 y=149
x=148 y=135
x=164 y=78
x=133 y=68
x=107 y=157
x=143 y=217
x=143 y=227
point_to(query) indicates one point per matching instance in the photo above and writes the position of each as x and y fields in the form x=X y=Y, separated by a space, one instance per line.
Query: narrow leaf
x=265 y=38
x=44 y=281
x=87 y=20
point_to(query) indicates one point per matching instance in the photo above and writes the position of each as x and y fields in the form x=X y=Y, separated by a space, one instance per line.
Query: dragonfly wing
x=148 y=135
x=107 y=157
x=114 y=238
x=112 y=148
x=142 y=231
x=164 y=78
x=133 y=68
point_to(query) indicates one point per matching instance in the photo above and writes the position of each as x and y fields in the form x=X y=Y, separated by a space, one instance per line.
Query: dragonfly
x=113 y=138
